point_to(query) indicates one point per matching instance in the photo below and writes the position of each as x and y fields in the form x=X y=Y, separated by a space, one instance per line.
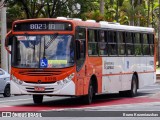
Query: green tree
x=102 y=7
x=13 y=14
x=110 y=13
x=132 y=11
x=43 y=8
x=31 y=8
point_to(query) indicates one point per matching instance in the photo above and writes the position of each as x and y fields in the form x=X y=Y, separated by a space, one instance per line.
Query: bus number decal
x=51 y=26
x=37 y=26
x=50 y=78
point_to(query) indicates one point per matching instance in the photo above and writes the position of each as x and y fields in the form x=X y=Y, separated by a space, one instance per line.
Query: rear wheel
x=7 y=92
x=134 y=87
x=133 y=91
x=88 y=98
x=37 y=99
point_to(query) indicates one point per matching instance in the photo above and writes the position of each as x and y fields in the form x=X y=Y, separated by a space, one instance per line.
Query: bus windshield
x=43 y=51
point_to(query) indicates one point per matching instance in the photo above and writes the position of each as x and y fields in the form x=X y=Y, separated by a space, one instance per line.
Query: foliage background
x=128 y=12
x=144 y=13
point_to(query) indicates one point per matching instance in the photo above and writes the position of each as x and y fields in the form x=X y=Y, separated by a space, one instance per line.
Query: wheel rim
x=90 y=95
x=134 y=87
x=7 y=91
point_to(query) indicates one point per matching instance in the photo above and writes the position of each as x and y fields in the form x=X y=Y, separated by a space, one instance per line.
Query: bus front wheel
x=37 y=99
x=88 y=98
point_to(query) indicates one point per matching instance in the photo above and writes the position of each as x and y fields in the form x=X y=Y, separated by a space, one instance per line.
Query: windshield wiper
x=44 y=48
x=46 y=45
x=53 y=37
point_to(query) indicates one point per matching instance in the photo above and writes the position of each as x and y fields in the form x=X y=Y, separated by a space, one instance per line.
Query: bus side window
x=112 y=42
x=129 y=43
x=137 y=44
x=121 y=43
x=151 y=44
x=146 y=50
x=102 y=43
x=92 y=43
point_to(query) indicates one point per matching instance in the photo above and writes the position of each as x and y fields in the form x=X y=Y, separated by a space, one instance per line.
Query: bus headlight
x=60 y=82
x=17 y=80
x=71 y=76
x=66 y=80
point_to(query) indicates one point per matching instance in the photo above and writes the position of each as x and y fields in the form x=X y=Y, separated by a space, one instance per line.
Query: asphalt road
x=110 y=105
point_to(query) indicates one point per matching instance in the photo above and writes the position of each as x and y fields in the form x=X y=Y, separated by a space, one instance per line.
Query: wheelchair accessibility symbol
x=44 y=63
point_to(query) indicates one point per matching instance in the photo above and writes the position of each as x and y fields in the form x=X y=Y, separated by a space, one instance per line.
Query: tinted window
x=138 y=44
x=112 y=42
x=92 y=42
x=151 y=42
x=102 y=44
x=129 y=43
x=121 y=43
x=81 y=36
x=146 y=49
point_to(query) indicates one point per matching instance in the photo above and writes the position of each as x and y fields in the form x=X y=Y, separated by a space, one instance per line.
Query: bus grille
x=47 y=90
x=41 y=82
x=40 y=73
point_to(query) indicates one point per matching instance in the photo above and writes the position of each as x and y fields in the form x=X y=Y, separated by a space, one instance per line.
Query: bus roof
x=126 y=27
x=94 y=24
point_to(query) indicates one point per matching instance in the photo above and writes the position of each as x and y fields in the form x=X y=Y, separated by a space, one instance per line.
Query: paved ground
x=148 y=99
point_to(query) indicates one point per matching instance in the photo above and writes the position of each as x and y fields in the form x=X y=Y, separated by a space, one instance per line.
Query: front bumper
x=49 y=89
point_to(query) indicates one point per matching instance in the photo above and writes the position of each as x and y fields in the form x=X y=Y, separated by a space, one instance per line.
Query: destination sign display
x=42 y=26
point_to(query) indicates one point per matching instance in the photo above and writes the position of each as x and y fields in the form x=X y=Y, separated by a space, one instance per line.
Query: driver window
x=81 y=36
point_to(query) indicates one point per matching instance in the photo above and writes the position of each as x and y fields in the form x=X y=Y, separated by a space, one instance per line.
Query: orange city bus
x=70 y=57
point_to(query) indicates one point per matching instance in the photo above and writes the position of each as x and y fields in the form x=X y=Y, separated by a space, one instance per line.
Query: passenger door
x=80 y=59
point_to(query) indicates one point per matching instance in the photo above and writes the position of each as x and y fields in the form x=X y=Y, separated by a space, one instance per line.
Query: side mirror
x=78 y=49
x=8 y=41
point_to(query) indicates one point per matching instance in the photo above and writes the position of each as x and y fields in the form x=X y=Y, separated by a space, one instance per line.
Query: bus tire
x=134 y=87
x=7 y=92
x=37 y=99
x=87 y=99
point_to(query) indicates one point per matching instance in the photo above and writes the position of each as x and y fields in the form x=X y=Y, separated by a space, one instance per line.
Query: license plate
x=39 y=89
